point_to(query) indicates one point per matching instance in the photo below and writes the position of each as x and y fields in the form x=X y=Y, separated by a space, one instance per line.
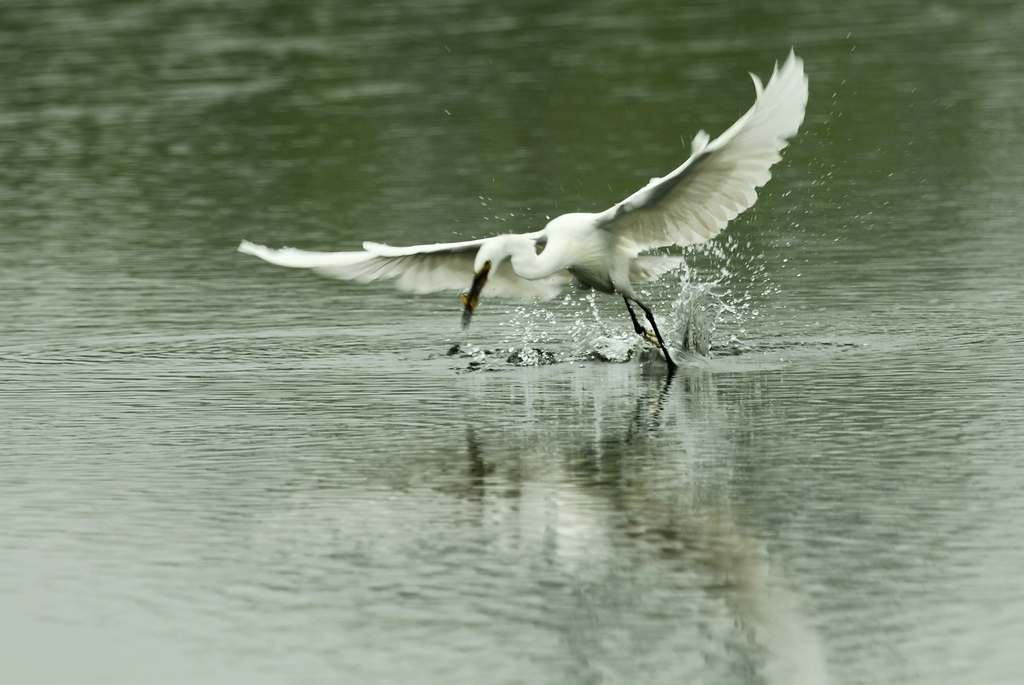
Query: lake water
x=213 y=470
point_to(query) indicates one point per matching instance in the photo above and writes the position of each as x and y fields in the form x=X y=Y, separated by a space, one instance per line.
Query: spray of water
x=720 y=289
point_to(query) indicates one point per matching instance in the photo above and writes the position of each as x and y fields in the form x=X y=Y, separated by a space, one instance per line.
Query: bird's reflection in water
x=477 y=469
x=627 y=499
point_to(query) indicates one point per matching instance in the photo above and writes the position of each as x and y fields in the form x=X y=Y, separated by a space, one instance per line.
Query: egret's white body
x=601 y=250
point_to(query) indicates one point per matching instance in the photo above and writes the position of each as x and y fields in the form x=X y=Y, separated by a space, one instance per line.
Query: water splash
x=725 y=283
x=722 y=285
x=594 y=336
x=531 y=356
x=696 y=312
x=529 y=332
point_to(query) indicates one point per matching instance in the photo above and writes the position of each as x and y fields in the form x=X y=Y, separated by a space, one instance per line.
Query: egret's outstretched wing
x=417 y=269
x=720 y=179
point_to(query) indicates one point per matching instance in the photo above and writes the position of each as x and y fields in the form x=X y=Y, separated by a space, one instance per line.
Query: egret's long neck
x=527 y=263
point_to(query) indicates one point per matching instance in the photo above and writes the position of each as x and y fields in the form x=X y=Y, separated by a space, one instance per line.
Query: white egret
x=600 y=250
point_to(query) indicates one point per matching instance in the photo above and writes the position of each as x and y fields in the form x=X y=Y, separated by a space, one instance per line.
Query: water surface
x=219 y=471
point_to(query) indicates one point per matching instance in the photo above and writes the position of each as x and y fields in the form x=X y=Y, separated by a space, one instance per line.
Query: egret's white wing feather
x=720 y=179
x=651 y=267
x=465 y=247
x=417 y=269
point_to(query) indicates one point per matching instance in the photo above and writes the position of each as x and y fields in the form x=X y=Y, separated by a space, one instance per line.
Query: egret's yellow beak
x=470 y=299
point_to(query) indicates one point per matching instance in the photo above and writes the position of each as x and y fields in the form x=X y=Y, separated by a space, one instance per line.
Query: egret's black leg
x=636 y=324
x=642 y=332
x=657 y=334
